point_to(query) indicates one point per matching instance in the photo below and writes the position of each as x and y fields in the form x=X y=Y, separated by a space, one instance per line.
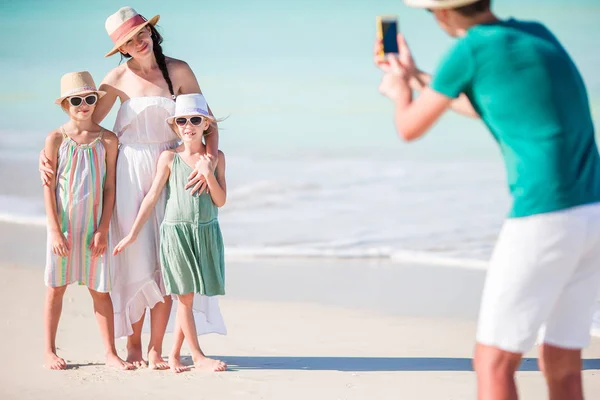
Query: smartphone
x=387 y=32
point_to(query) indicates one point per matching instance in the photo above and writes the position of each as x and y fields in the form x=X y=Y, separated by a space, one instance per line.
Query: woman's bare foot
x=134 y=356
x=54 y=362
x=114 y=361
x=176 y=365
x=203 y=363
x=155 y=360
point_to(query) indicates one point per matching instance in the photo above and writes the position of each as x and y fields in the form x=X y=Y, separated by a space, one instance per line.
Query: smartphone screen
x=388 y=33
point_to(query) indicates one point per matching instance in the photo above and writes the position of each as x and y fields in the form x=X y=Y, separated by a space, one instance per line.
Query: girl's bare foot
x=134 y=356
x=54 y=362
x=203 y=363
x=114 y=361
x=155 y=360
x=176 y=365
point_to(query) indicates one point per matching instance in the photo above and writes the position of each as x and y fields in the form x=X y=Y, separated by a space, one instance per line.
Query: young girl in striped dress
x=79 y=202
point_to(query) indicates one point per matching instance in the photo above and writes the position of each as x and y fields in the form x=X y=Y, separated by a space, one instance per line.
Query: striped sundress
x=81 y=174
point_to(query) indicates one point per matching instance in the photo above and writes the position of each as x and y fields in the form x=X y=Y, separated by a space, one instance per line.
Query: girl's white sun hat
x=190 y=105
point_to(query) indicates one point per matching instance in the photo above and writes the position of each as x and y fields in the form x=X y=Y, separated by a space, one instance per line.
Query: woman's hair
x=474 y=9
x=158 y=54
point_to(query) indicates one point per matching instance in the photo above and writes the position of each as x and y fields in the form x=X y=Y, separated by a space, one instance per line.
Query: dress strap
x=64 y=134
x=101 y=133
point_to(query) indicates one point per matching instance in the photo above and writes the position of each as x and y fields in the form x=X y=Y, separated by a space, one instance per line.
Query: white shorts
x=545 y=270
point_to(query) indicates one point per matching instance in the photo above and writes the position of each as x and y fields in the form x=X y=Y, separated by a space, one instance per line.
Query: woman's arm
x=59 y=244
x=162 y=175
x=217 y=186
x=107 y=101
x=189 y=84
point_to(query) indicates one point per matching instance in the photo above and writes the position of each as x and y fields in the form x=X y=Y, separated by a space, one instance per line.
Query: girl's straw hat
x=125 y=24
x=438 y=4
x=190 y=105
x=76 y=84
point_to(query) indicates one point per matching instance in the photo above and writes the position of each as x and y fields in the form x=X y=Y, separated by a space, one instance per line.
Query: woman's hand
x=99 y=243
x=198 y=182
x=127 y=240
x=59 y=244
x=45 y=169
x=204 y=166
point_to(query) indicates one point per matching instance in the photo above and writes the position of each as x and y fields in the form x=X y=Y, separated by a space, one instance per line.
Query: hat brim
x=438 y=4
x=152 y=21
x=100 y=93
x=171 y=119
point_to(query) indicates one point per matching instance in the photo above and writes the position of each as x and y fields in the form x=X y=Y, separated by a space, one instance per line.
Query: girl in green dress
x=191 y=245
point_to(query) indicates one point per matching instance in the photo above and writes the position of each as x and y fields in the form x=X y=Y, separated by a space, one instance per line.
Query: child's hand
x=127 y=240
x=99 y=243
x=60 y=244
x=206 y=165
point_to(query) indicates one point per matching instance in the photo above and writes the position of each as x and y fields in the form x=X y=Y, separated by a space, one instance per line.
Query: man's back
x=531 y=96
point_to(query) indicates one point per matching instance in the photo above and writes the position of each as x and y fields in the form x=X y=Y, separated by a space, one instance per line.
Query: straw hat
x=77 y=84
x=438 y=4
x=190 y=105
x=125 y=24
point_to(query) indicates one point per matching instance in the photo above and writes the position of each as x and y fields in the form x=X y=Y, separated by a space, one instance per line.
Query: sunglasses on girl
x=90 y=100
x=181 y=121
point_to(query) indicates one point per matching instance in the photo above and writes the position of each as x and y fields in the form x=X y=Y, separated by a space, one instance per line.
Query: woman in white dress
x=146 y=85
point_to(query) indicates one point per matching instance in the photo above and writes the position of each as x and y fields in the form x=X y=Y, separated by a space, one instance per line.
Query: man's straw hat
x=125 y=24
x=438 y=4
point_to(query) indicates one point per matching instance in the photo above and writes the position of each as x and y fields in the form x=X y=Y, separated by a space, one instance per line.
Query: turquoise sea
x=315 y=168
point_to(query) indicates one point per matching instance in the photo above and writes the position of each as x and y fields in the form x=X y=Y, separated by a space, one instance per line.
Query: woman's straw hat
x=77 y=84
x=190 y=105
x=438 y=4
x=123 y=25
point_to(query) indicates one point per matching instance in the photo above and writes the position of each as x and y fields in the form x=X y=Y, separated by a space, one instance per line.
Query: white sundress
x=137 y=282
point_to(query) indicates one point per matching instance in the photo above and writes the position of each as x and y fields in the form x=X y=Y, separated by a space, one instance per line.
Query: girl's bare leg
x=159 y=318
x=134 y=345
x=52 y=310
x=185 y=316
x=175 y=357
x=103 y=308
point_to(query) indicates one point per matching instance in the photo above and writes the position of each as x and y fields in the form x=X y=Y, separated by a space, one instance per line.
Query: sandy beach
x=321 y=330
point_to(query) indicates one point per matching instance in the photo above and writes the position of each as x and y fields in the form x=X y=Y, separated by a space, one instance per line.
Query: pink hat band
x=126 y=27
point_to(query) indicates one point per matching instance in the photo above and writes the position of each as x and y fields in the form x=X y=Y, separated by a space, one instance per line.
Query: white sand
x=275 y=349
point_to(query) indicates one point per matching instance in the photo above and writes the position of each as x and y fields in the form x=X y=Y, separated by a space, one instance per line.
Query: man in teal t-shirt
x=545 y=269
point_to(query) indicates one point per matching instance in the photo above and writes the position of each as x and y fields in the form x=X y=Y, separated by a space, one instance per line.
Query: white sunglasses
x=90 y=100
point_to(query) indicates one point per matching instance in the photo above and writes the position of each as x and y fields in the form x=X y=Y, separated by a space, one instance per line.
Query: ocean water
x=314 y=166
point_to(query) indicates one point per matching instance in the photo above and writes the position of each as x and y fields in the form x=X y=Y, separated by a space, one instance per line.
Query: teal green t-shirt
x=532 y=98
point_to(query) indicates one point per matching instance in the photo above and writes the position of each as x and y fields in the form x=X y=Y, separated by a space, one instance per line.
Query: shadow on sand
x=368 y=364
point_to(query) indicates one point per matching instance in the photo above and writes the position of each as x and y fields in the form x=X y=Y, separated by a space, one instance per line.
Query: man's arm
x=414 y=118
x=418 y=79
x=462 y=105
